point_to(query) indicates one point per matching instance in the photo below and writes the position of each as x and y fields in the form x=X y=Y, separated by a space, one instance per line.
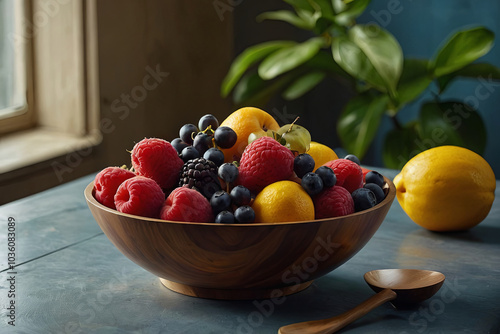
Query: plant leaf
x=355 y=62
x=289 y=58
x=400 y=145
x=485 y=71
x=252 y=90
x=289 y=17
x=350 y=11
x=303 y=85
x=413 y=81
x=359 y=121
x=452 y=123
x=383 y=51
x=246 y=59
x=461 y=49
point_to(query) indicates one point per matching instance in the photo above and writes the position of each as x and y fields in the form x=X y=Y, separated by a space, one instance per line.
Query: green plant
x=369 y=59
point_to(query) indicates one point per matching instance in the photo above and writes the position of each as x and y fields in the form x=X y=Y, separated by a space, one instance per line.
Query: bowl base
x=234 y=294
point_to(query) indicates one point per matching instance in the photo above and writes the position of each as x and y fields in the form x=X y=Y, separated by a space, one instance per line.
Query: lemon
x=321 y=154
x=446 y=188
x=283 y=201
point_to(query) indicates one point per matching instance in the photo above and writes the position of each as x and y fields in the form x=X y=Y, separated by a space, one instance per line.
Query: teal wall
x=420 y=27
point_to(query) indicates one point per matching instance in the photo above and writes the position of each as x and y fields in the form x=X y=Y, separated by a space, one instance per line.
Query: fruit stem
x=291 y=125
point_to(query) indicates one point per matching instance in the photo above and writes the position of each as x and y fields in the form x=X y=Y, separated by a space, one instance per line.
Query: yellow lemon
x=245 y=121
x=283 y=201
x=446 y=188
x=321 y=154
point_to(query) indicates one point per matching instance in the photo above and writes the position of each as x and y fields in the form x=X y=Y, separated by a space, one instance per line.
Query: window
x=14 y=67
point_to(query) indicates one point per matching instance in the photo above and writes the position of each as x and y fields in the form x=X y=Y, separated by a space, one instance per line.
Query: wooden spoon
x=403 y=287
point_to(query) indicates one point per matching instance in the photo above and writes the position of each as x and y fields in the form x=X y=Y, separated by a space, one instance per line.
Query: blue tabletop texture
x=64 y=276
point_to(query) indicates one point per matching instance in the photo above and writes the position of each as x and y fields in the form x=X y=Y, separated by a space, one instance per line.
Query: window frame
x=21 y=117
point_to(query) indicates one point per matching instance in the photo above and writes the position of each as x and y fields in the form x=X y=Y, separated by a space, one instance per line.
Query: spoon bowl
x=411 y=286
x=402 y=287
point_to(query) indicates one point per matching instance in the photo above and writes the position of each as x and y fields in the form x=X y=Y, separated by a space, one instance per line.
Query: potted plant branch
x=371 y=61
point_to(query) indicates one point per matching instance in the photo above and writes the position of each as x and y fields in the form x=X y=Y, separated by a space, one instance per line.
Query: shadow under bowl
x=239 y=261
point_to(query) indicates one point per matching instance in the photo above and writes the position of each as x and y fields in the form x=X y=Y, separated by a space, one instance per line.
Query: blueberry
x=178 y=144
x=363 y=198
x=312 y=183
x=353 y=158
x=375 y=177
x=189 y=153
x=379 y=193
x=303 y=164
x=220 y=201
x=225 y=217
x=187 y=132
x=215 y=155
x=244 y=214
x=208 y=120
x=225 y=137
x=240 y=195
x=228 y=172
x=202 y=142
x=327 y=175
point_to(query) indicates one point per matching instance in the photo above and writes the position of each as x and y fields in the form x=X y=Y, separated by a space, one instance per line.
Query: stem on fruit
x=291 y=125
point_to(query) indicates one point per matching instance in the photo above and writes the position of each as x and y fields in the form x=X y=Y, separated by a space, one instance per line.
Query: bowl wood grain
x=239 y=261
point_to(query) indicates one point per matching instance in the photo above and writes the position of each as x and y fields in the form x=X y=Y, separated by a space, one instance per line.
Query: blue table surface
x=69 y=278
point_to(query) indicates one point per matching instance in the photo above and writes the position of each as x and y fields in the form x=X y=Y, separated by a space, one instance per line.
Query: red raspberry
x=263 y=162
x=187 y=205
x=332 y=202
x=157 y=159
x=106 y=183
x=349 y=174
x=140 y=196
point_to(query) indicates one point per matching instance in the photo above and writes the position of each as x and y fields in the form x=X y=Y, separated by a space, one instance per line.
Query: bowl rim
x=89 y=196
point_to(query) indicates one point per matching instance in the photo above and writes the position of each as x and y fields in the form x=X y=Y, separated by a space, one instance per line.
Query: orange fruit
x=446 y=188
x=321 y=154
x=244 y=121
x=283 y=201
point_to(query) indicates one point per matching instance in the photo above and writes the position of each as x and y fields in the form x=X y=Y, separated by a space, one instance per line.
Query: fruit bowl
x=239 y=261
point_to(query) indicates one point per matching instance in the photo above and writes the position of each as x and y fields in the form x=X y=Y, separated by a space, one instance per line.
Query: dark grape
x=179 y=145
x=208 y=120
x=353 y=158
x=363 y=198
x=244 y=214
x=377 y=191
x=202 y=142
x=215 y=155
x=375 y=177
x=189 y=153
x=312 y=183
x=327 y=175
x=240 y=195
x=187 y=132
x=220 y=201
x=228 y=172
x=225 y=137
x=225 y=217
x=303 y=164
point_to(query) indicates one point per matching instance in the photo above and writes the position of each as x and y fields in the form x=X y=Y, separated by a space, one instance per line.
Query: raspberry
x=187 y=205
x=332 y=202
x=139 y=196
x=107 y=182
x=263 y=162
x=157 y=159
x=349 y=174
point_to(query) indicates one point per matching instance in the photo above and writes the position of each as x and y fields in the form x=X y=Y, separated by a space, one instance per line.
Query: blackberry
x=200 y=174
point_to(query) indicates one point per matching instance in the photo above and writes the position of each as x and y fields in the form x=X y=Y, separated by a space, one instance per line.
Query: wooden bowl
x=239 y=261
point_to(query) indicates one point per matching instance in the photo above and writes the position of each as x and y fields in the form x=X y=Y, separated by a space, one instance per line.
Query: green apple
x=268 y=133
x=297 y=137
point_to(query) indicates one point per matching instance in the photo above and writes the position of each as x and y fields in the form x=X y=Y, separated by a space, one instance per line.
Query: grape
x=228 y=172
x=215 y=155
x=208 y=120
x=225 y=217
x=244 y=214
x=353 y=158
x=189 y=153
x=377 y=191
x=363 y=198
x=220 y=201
x=225 y=137
x=312 y=183
x=303 y=164
x=186 y=133
x=202 y=142
x=327 y=175
x=179 y=145
x=375 y=177
x=240 y=195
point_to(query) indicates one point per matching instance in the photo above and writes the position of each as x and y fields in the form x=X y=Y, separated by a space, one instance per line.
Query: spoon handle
x=331 y=325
